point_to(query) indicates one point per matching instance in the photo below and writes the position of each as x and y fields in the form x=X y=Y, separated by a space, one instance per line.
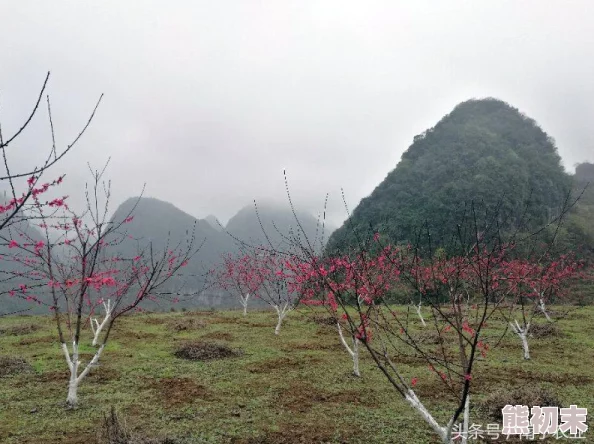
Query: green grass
x=293 y=388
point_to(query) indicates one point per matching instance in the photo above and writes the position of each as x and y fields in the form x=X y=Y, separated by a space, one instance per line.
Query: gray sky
x=207 y=101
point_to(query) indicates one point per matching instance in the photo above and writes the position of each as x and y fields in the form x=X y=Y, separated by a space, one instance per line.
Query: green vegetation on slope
x=485 y=152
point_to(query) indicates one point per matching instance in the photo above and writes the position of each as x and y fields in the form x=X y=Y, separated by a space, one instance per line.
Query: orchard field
x=293 y=388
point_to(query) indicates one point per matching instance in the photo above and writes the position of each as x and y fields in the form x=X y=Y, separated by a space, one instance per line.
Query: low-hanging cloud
x=208 y=102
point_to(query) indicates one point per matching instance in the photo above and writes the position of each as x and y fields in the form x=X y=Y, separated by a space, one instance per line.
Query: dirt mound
x=429 y=337
x=10 y=365
x=206 y=351
x=324 y=320
x=528 y=394
x=186 y=324
x=539 y=331
x=17 y=330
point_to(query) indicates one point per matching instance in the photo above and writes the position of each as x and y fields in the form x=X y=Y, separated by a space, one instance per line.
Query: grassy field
x=295 y=388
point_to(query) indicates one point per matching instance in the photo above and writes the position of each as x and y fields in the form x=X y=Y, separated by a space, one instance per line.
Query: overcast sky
x=208 y=101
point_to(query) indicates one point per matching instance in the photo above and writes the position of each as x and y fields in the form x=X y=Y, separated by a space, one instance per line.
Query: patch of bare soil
x=127 y=334
x=37 y=340
x=547 y=330
x=18 y=330
x=143 y=335
x=115 y=431
x=326 y=320
x=528 y=394
x=218 y=335
x=185 y=324
x=407 y=359
x=205 y=351
x=493 y=376
x=102 y=375
x=428 y=337
x=311 y=346
x=298 y=433
x=284 y=363
x=430 y=386
x=97 y=375
x=302 y=397
x=179 y=391
x=153 y=320
x=10 y=365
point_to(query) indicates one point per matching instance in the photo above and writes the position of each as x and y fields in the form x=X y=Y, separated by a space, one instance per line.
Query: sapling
x=81 y=263
x=529 y=284
x=236 y=276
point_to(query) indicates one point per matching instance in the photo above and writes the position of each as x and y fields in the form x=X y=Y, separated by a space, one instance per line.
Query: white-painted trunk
x=544 y=310
x=244 y=303
x=418 y=309
x=356 y=371
x=72 y=398
x=523 y=335
x=525 y=346
x=96 y=328
x=74 y=365
x=466 y=420
x=444 y=433
x=354 y=351
x=282 y=312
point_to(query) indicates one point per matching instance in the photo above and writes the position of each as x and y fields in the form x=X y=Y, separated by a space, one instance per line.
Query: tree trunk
x=466 y=419
x=72 y=398
x=523 y=335
x=278 y=324
x=354 y=352
x=244 y=302
x=418 y=308
x=282 y=312
x=544 y=310
x=74 y=365
x=525 y=346
x=445 y=433
x=98 y=327
x=356 y=371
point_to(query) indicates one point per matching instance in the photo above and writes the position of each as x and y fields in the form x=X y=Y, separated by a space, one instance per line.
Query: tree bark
x=74 y=365
x=523 y=335
x=544 y=310
x=354 y=352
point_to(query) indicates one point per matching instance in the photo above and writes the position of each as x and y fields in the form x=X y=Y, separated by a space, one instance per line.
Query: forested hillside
x=484 y=153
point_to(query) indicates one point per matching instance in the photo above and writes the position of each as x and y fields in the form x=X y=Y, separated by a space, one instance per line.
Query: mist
x=208 y=102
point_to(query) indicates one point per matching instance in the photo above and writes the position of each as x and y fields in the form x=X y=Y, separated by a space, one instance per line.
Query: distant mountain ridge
x=157 y=221
x=214 y=222
x=264 y=222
